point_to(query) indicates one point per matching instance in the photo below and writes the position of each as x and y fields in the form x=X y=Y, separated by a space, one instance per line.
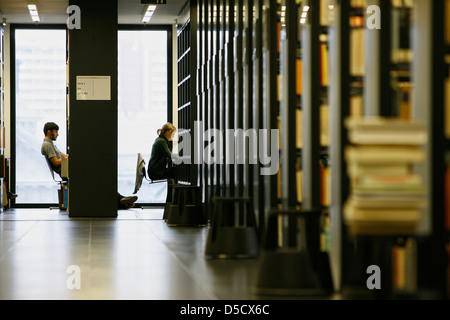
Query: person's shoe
x=11 y=195
x=126 y=201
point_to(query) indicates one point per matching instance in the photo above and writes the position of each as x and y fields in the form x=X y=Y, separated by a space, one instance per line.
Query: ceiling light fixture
x=32 y=7
x=148 y=12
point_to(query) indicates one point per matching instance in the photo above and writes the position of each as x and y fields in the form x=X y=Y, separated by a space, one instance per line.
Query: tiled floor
x=44 y=254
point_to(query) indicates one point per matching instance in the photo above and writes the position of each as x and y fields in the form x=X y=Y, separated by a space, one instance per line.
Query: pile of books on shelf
x=387 y=195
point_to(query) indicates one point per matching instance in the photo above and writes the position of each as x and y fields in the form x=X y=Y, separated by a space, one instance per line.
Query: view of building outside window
x=142 y=94
x=40 y=97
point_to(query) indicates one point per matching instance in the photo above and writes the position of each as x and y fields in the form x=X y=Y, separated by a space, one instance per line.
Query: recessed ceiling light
x=148 y=12
x=32 y=7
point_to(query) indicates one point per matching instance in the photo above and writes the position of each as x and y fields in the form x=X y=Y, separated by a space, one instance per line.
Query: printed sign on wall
x=93 y=88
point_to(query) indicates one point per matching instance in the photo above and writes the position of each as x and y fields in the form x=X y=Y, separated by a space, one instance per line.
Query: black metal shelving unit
x=311 y=106
x=290 y=101
x=270 y=95
x=339 y=104
x=446 y=27
x=3 y=174
x=189 y=85
x=352 y=253
x=243 y=77
x=224 y=92
x=257 y=118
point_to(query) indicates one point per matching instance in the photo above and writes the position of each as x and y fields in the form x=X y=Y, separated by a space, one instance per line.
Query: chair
x=141 y=174
x=62 y=183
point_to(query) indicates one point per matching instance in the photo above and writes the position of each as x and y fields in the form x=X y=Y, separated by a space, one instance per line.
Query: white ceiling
x=54 y=11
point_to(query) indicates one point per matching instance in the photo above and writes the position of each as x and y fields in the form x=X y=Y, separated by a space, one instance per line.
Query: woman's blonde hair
x=167 y=127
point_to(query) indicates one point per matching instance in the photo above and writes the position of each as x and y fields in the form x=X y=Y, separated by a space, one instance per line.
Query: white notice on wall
x=93 y=88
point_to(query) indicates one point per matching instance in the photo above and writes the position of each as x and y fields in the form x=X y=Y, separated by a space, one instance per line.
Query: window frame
x=156 y=27
x=13 y=107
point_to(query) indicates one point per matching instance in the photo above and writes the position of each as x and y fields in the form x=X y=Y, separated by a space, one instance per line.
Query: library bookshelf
x=307 y=68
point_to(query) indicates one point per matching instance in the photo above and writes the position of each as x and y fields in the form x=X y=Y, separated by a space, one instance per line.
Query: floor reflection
x=135 y=256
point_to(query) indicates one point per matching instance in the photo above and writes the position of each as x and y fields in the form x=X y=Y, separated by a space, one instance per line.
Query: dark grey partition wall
x=93 y=123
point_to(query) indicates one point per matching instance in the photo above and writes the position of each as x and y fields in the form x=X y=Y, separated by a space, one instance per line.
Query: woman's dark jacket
x=160 y=158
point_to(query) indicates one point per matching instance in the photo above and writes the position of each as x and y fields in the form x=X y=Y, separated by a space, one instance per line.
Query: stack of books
x=387 y=196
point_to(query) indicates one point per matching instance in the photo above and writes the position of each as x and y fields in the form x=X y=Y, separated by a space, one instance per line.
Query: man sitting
x=54 y=155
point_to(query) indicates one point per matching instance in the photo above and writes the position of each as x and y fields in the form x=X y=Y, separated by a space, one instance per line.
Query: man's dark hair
x=50 y=126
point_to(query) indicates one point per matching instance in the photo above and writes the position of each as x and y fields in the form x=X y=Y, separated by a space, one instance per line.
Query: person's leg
x=171 y=173
x=171 y=176
x=170 y=184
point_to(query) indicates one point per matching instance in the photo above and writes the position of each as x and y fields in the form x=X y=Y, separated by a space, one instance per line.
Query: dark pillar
x=92 y=125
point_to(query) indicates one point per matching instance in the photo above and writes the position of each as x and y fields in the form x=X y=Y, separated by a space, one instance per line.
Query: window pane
x=40 y=97
x=142 y=95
